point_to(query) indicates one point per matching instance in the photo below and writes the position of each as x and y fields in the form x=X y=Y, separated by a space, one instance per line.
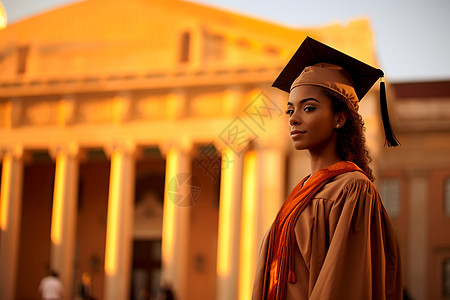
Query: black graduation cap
x=363 y=76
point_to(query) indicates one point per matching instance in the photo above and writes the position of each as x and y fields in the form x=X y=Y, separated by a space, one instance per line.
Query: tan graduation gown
x=346 y=246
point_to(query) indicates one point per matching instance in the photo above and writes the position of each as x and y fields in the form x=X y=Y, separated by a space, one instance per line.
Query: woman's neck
x=323 y=159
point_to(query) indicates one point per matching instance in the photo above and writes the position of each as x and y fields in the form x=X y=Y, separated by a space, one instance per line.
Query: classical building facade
x=141 y=142
x=415 y=185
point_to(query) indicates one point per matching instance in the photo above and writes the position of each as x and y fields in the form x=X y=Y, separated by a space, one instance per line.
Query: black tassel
x=390 y=138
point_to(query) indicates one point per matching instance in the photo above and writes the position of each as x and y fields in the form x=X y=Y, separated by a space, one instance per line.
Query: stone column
x=271 y=181
x=229 y=226
x=64 y=215
x=119 y=223
x=248 y=252
x=10 y=210
x=417 y=234
x=262 y=196
x=178 y=198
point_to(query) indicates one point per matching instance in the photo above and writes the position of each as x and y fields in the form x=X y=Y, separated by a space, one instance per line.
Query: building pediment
x=107 y=38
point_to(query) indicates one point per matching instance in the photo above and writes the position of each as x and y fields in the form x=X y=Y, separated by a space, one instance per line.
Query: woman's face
x=312 y=120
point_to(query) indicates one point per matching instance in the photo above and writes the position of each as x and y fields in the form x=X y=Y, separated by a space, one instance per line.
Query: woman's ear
x=341 y=118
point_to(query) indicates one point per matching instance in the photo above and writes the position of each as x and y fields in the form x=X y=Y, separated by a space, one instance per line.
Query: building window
x=447 y=197
x=22 y=54
x=390 y=193
x=185 y=47
x=446 y=278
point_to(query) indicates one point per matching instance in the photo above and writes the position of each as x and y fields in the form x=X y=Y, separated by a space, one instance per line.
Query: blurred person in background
x=85 y=290
x=51 y=287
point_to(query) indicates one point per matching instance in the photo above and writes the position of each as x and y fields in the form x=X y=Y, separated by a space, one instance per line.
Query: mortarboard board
x=337 y=71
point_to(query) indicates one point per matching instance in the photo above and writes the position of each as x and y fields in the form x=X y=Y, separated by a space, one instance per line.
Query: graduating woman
x=332 y=238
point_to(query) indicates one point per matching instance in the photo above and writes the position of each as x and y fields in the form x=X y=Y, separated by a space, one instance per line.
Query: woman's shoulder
x=346 y=181
x=351 y=177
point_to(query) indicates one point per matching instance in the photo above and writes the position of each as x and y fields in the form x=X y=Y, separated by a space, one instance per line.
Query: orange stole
x=279 y=267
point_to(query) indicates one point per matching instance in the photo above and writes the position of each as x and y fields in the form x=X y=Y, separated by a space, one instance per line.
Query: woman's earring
x=338 y=125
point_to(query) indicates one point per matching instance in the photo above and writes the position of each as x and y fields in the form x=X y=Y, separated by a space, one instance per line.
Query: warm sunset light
x=58 y=200
x=144 y=143
x=6 y=185
x=248 y=227
x=169 y=211
x=113 y=213
x=3 y=19
x=225 y=212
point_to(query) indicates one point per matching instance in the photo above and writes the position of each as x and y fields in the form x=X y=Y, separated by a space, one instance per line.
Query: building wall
x=439 y=227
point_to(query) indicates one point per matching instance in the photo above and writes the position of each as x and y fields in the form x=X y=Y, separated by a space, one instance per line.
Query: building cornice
x=156 y=80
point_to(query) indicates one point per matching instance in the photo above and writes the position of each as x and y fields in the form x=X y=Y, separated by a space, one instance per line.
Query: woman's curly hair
x=351 y=142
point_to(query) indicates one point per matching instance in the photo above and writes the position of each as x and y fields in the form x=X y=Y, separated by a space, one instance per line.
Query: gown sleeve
x=363 y=258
